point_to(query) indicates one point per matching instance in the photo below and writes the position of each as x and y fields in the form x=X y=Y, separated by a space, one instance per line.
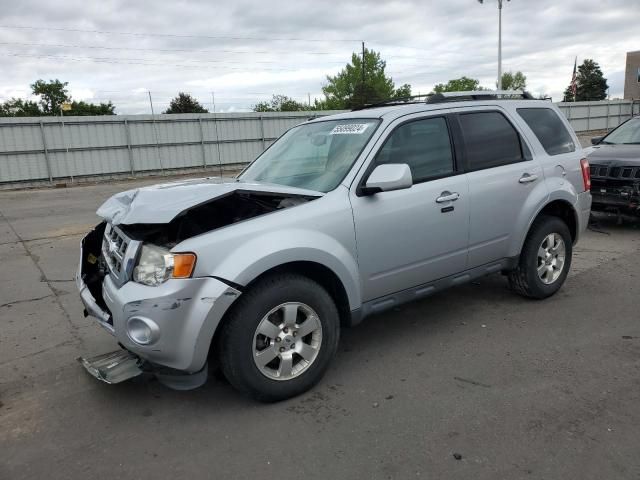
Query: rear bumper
x=583 y=209
x=182 y=315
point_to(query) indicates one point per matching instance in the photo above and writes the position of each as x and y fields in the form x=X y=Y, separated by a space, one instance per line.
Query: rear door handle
x=448 y=197
x=528 y=178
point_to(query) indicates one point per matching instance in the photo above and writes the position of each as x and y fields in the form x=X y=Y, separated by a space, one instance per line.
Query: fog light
x=142 y=331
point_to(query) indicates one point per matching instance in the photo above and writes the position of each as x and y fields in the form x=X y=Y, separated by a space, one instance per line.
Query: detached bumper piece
x=114 y=367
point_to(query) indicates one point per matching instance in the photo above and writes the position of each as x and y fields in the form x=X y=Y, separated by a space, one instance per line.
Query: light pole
x=499 y=41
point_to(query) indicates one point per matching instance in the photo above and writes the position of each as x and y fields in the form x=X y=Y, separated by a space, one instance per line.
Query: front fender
x=261 y=253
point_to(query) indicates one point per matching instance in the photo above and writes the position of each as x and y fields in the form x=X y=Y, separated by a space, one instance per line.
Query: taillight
x=586 y=174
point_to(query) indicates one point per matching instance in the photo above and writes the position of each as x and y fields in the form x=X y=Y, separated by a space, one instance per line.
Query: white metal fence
x=47 y=149
x=605 y=115
x=50 y=148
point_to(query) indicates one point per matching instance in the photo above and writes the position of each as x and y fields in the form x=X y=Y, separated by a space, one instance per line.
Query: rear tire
x=545 y=259
x=268 y=324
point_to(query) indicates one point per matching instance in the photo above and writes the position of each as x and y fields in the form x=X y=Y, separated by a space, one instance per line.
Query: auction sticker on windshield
x=349 y=129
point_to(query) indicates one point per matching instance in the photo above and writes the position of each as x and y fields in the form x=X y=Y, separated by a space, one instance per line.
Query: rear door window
x=490 y=140
x=550 y=130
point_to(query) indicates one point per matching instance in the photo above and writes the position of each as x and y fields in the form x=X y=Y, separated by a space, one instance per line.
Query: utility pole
x=155 y=132
x=150 y=102
x=499 y=41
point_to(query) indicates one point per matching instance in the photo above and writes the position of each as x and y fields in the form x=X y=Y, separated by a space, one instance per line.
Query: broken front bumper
x=619 y=200
x=616 y=188
x=179 y=317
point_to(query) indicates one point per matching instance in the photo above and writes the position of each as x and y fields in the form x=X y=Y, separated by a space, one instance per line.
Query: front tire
x=545 y=259
x=279 y=338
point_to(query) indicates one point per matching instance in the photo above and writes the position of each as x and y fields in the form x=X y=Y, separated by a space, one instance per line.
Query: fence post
x=589 y=117
x=128 y=134
x=204 y=151
x=46 y=152
x=608 y=109
x=619 y=113
x=155 y=132
x=262 y=132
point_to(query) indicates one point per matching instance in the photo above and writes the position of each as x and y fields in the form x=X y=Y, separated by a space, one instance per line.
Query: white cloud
x=247 y=50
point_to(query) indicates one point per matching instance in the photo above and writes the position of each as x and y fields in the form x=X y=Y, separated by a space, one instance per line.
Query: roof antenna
x=215 y=122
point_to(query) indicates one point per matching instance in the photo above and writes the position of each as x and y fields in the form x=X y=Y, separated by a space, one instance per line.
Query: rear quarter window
x=549 y=129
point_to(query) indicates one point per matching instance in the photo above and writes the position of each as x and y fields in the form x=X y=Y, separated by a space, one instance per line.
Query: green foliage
x=83 y=108
x=185 y=103
x=52 y=95
x=346 y=90
x=462 y=84
x=281 y=103
x=16 y=107
x=590 y=83
x=514 y=81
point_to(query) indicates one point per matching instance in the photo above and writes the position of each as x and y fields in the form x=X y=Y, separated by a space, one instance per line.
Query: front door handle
x=528 y=178
x=447 y=197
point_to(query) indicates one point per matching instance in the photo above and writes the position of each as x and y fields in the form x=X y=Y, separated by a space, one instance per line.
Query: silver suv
x=341 y=218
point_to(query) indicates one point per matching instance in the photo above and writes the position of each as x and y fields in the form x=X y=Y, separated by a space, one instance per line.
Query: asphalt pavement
x=474 y=382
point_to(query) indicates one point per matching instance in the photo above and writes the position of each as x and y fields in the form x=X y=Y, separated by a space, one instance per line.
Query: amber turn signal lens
x=183 y=264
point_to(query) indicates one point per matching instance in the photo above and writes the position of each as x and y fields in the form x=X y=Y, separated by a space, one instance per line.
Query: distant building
x=632 y=76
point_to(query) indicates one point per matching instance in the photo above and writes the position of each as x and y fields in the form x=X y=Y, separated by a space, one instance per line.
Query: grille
x=615 y=172
x=114 y=248
x=118 y=251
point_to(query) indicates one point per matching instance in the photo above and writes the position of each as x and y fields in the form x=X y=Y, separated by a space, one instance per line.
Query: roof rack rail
x=479 y=95
x=394 y=101
x=453 y=97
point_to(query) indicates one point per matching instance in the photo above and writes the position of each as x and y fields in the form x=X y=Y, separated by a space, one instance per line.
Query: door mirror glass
x=596 y=140
x=388 y=177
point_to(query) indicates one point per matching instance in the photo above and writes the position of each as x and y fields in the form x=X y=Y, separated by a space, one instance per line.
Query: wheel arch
x=318 y=272
x=560 y=208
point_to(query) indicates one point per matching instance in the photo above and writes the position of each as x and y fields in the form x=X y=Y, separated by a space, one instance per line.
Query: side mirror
x=388 y=177
x=596 y=140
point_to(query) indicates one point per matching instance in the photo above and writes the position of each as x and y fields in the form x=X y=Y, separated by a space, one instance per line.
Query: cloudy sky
x=247 y=50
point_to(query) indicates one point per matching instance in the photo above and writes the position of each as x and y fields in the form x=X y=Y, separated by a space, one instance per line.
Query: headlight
x=157 y=265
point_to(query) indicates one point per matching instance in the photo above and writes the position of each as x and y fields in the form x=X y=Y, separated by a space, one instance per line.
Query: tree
x=347 y=89
x=83 y=108
x=281 y=103
x=514 y=81
x=462 y=84
x=590 y=83
x=185 y=103
x=52 y=95
x=16 y=107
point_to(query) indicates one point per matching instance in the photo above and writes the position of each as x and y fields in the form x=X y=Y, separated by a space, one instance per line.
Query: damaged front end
x=615 y=188
x=132 y=278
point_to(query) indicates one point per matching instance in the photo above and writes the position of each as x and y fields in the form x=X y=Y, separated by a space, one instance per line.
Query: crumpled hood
x=614 y=155
x=162 y=203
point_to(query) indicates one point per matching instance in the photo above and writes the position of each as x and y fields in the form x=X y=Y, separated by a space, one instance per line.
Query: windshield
x=627 y=133
x=315 y=156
